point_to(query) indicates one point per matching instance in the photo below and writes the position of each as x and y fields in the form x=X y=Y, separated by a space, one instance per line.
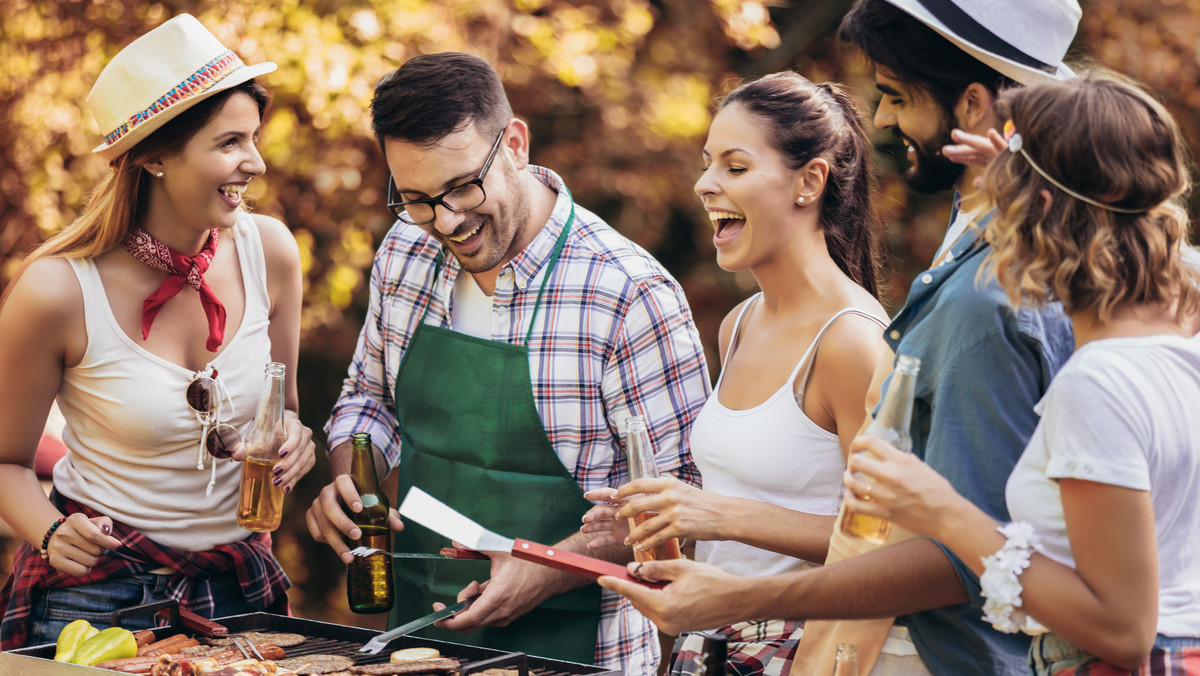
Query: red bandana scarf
x=180 y=270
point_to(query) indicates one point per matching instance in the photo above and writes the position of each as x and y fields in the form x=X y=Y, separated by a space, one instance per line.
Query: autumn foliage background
x=618 y=94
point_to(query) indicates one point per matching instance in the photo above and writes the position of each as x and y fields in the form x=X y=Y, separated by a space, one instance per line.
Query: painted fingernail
x=106 y=528
x=288 y=489
x=278 y=471
x=283 y=452
x=278 y=481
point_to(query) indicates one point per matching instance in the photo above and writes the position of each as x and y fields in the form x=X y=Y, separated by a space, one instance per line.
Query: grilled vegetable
x=113 y=643
x=71 y=637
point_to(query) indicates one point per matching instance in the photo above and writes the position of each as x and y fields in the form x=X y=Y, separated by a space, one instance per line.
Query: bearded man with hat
x=150 y=319
x=985 y=364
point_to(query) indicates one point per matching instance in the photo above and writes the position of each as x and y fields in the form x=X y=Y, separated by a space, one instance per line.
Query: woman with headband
x=151 y=318
x=1100 y=563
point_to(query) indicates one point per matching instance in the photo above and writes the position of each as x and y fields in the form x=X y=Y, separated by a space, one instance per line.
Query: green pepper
x=71 y=637
x=113 y=643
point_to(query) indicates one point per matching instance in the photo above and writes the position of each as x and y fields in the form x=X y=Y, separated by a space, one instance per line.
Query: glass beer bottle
x=260 y=504
x=846 y=661
x=369 y=578
x=642 y=466
x=713 y=654
x=891 y=425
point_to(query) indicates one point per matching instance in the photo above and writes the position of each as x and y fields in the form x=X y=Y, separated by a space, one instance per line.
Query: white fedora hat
x=1023 y=39
x=157 y=77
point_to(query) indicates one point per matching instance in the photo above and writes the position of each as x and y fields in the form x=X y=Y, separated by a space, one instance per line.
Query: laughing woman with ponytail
x=150 y=319
x=787 y=187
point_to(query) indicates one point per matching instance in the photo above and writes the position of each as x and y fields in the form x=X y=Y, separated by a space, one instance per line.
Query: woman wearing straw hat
x=150 y=318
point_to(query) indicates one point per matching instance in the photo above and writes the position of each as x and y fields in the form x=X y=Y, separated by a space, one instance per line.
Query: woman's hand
x=77 y=545
x=297 y=454
x=975 y=150
x=675 y=510
x=885 y=482
x=601 y=521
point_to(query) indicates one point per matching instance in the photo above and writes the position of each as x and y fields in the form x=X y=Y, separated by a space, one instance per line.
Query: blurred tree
x=618 y=94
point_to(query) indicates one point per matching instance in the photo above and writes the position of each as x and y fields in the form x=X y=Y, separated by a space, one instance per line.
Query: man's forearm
x=904 y=578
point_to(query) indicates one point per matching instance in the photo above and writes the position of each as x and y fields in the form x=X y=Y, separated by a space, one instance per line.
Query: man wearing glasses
x=510 y=333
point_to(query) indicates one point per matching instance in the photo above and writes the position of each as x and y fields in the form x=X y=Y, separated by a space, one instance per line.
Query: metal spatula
x=380 y=642
x=441 y=518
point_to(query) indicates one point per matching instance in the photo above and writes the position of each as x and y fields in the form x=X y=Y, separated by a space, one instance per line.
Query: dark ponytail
x=808 y=121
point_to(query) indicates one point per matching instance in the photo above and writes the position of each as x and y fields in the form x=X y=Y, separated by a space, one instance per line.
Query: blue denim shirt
x=984 y=365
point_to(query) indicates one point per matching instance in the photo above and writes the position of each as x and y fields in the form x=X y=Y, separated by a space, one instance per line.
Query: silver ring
x=867 y=496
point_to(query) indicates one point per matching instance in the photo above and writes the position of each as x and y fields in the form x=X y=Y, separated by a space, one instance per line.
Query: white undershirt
x=962 y=220
x=470 y=307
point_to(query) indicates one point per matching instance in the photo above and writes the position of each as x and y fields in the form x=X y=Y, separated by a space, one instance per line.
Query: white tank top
x=772 y=453
x=132 y=440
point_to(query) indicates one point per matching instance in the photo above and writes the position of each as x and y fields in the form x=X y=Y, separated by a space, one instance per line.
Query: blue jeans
x=53 y=609
x=1050 y=654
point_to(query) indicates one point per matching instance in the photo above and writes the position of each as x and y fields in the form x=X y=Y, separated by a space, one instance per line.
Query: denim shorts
x=1049 y=654
x=53 y=609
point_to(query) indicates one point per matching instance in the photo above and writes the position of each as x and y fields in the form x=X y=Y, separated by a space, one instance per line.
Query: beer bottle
x=846 y=661
x=260 y=502
x=642 y=465
x=713 y=654
x=891 y=425
x=369 y=578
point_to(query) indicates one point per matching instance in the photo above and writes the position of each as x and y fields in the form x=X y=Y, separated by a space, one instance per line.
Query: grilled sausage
x=172 y=644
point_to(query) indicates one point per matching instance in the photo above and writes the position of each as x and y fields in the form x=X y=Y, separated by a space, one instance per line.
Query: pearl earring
x=800 y=199
x=159 y=174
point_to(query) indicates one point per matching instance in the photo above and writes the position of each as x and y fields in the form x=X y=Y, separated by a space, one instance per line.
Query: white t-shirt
x=470 y=308
x=1123 y=411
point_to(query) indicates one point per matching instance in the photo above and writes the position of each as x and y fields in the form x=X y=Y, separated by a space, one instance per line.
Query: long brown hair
x=1105 y=138
x=807 y=121
x=116 y=204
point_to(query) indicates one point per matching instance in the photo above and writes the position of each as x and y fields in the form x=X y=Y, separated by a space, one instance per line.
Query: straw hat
x=157 y=77
x=1023 y=39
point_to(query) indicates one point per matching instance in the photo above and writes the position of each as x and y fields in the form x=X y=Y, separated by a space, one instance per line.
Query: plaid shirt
x=262 y=580
x=614 y=338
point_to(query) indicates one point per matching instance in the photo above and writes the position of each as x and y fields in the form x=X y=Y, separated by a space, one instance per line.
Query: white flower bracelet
x=999 y=582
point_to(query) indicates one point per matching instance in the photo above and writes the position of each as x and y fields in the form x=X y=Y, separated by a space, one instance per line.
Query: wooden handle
x=459 y=553
x=200 y=625
x=571 y=562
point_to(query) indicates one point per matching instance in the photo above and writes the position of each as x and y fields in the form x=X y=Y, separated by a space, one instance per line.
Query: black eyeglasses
x=463 y=197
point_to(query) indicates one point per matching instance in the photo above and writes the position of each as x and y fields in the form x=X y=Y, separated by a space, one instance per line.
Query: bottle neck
x=895 y=412
x=362 y=468
x=638 y=450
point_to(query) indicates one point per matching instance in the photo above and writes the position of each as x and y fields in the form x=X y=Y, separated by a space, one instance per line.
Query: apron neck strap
x=551 y=264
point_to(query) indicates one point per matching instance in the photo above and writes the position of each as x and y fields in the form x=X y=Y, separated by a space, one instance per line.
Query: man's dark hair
x=434 y=95
x=915 y=53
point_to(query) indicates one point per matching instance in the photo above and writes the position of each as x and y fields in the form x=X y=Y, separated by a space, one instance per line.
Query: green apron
x=472 y=438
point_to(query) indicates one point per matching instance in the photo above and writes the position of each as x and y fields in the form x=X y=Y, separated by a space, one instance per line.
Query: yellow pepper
x=114 y=643
x=71 y=637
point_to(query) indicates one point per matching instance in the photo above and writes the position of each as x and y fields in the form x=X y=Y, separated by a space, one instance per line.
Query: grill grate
x=323 y=638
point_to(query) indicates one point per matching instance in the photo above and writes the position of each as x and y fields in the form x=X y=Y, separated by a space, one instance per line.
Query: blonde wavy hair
x=1105 y=138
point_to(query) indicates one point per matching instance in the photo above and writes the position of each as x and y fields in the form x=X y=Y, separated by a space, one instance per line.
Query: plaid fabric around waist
x=764 y=648
x=1051 y=655
x=262 y=580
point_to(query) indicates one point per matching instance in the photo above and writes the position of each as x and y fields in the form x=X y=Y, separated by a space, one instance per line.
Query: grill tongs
x=246 y=647
x=442 y=519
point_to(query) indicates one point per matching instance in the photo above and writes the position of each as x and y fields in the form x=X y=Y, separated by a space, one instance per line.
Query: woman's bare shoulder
x=47 y=288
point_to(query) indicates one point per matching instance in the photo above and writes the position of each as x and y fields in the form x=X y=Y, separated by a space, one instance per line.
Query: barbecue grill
x=321 y=638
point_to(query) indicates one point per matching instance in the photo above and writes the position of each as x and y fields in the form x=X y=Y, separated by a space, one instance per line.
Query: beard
x=930 y=171
x=502 y=230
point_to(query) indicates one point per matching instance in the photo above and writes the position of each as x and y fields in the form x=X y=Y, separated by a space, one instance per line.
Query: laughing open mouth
x=723 y=219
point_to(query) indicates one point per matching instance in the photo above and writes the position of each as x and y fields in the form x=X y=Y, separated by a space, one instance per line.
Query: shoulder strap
x=737 y=327
x=803 y=370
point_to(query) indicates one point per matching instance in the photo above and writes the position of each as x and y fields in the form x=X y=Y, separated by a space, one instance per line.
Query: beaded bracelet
x=49 y=532
x=999 y=583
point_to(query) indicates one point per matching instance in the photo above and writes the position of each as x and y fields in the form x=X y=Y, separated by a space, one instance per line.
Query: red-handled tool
x=441 y=518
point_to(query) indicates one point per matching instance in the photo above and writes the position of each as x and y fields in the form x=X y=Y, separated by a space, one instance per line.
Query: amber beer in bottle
x=369 y=578
x=891 y=425
x=260 y=504
x=642 y=466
